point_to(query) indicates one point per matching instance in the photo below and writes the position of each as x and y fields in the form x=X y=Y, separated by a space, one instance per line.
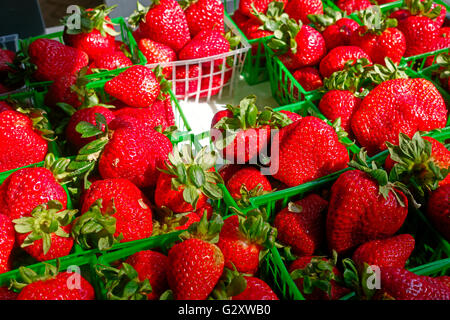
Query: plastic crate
x=125 y=35
x=10 y=42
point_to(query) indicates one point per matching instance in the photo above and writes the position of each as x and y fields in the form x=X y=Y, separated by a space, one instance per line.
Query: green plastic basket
x=126 y=36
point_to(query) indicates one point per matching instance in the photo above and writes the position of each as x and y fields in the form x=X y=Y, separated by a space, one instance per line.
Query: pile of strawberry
x=169 y=31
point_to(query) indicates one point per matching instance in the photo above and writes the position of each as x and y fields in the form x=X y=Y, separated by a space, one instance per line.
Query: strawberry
x=336 y=59
x=164 y=22
x=309 y=78
x=350 y=6
x=246 y=6
x=61 y=91
x=185 y=182
x=6 y=294
x=401 y=284
x=241 y=133
x=157 y=115
x=252 y=30
x=5 y=59
x=54 y=59
x=204 y=15
x=318 y=278
x=441 y=42
x=445 y=280
x=300 y=9
x=168 y=221
x=96 y=36
x=300 y=224
x=23 y=138
x=390 y=252
x=5 y=106
x=137 y=86
x=438 y=210
x=7 y=240
x=187 y=78
x=292 y=115
x=243 y=240
x=309 y=149
x=247 y=183
x=196 y=264
x=158 y=53
x=110 y=61
x=363 y=206
x=210 y=87
x=53 y=285
x=378 y=36
x=228 y=170
x=256 y=289
x=113 y=206
x=385 y=112
x=239 y=18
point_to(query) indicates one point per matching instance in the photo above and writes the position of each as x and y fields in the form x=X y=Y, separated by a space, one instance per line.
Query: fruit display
x=336 y=189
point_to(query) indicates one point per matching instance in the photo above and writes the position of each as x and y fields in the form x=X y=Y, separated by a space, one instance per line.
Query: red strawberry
x=242 y=240
x=210 y=87
x=442 y=42
x=204 y=15
x=137 y=86
x=300 y=9
x=350 y=6
x=252 y=29
x=228 y=170
x=61 y=91
x=318 y=270
x=292 y=115
x=239 y=18
x=187 y=78
x=164 y=22
x=309 y=149
x=438 y=210
x=54 y=59
x=245 y=6
x=445 y=280
x=187 y=189
x=5 y=106
x=390 y=252
x=138 y=34
x=5 y=59
x=7 y=240
x=96 y=36
x=362 y=209
x=116 y=199
x=402 y=284
x=339 y=34
x=246 y=183
x=393 y=107
x=111 y=61
x=336 y=59
x=21 y=142
x=87 y=115
x=300 y=225
x=158 y=53
x=6 y=294
x=309 y=78
x=157 y=115
x=256 y=289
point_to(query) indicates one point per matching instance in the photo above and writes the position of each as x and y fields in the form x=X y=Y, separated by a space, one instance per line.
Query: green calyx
x=246 y=195
x=378 y=73
x=89 y=20
x=40 y=122
x=328 y=18
x=164 y=84
x=138 y=15
x=95 y=229
x=415 y=165
x=255 y=228
x=341 y=133
x=375 y=21
x=423 y=8
x=230 y=284
x=386 y=185
x=205 y=230
x=44 y=220
x=350 y=78
x=29 y=276
x=443 y=60
x=358 y=279
x=168 y=221
x=22 y=67
x=123 y=283
x=284 y=36
x=317 y=274
x=195 y=175
x=273 y=18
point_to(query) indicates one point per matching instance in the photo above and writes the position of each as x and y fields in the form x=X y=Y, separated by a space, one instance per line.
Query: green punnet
x=230 y=284
x=123 y=283
x=90 y=20
x=205 y=230
x=45 y=220
x=95 y=229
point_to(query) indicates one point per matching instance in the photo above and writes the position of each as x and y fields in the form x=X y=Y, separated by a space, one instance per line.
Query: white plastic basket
x=216 y=82
x=10 y=42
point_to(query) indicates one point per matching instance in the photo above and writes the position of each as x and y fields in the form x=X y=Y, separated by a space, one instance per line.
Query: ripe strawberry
x=245 y=6
x=54 y=59
x=390 y=252
x=138 y=35
x=164 y=22
x=110 y=61
x=252 y=30
x=157 y=115
x=402 y=284
x=187 y=78
x=96 y=36
x=158 y=53
x=186 y=183
x=319 y=271
x=5 y=106
x=115 y=206
x=378 y=37
x=22 y=142
x=394 y=106
x=137 y=86
x=309 y=149
x=350 y=6
x=5 y=59
x=61 y=91
x=300 y=225
x=336 y=59
x=309 y=78
x=87 y=115
x=247 y=183
x=239 y=18
x=441 y=42
x=7 y=240
x=300 y=9
x=256 y=289
x=438 y=210
x=54 y=286
x=363 y=206
x=228 y=170
x=242 y=240
x=292 y=115
x=210 y=87
x=445 y=280
x=204 y=15
x=6 y=294
x=196 y=265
